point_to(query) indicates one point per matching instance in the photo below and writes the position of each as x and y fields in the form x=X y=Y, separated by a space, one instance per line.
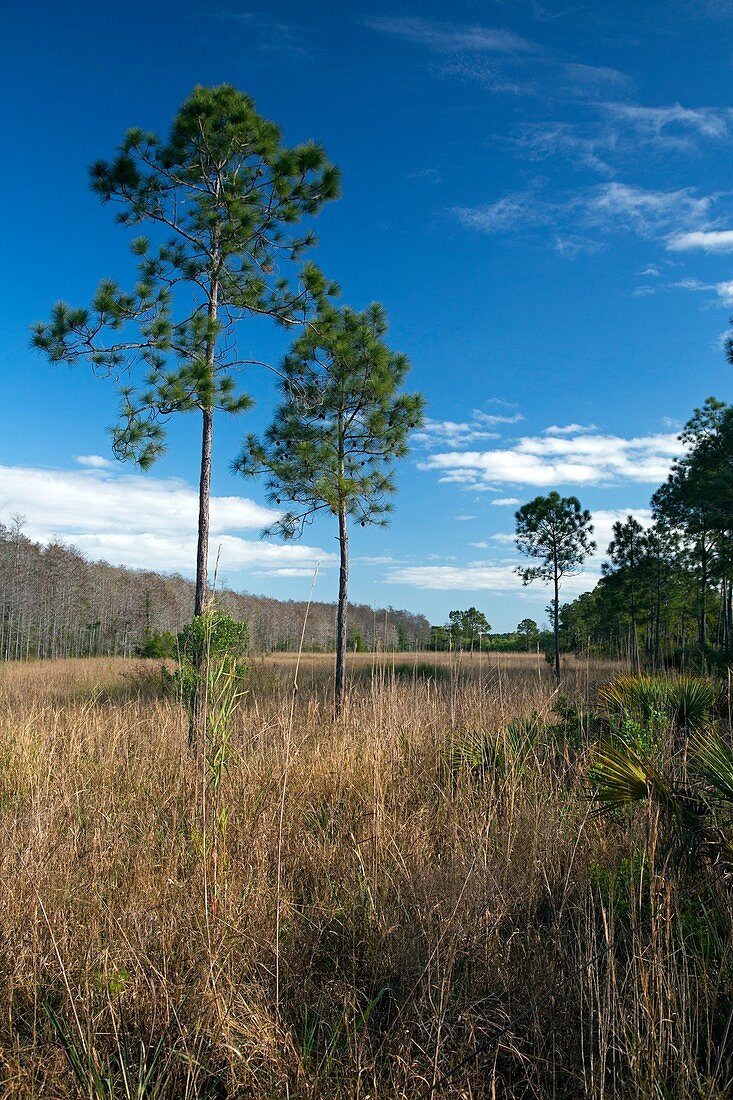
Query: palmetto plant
x=698 y=811
x=684 y=701
x=485 y=753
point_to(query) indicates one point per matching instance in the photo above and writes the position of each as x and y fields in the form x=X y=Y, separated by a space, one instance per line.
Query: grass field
x=416 y=902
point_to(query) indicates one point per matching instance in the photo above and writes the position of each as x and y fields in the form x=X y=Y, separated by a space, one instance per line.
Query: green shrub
x=158 y=644
x=209 y=639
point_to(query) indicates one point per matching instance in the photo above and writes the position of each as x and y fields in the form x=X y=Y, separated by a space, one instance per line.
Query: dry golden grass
x=382 y=927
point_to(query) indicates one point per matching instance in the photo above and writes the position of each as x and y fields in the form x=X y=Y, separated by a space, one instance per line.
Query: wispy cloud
x=611 y=133
x=672 y=127
x=500 y=59
x=269 y=35
x=451 y=37
x=541 y=141
x=644 y=211
x=594 y=75
x=723 y=291
x=525 y=209
x=606 y=208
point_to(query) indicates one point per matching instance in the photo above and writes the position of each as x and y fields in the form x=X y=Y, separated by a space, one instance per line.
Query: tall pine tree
x=555 y=531
x=336 y=435
x=222 y=196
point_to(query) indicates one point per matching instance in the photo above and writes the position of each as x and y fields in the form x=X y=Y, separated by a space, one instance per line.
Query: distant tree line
x=469 y=631
x=666 y=594
x=55 y=603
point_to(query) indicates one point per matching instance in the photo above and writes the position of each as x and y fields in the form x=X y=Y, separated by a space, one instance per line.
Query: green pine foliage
x=553 y=532
x=341 y=425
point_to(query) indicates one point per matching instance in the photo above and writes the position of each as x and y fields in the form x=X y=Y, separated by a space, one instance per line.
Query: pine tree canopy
x=555 y=530
x=341 y=425
x=222 y=197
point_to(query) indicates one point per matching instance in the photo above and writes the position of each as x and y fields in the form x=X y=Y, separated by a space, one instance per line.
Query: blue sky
x=539 y=194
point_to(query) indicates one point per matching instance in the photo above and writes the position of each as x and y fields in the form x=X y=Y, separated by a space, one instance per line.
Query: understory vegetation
x=449 y=892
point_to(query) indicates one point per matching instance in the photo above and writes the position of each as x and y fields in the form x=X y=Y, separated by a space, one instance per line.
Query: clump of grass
x=420 y=670
x=492 y=753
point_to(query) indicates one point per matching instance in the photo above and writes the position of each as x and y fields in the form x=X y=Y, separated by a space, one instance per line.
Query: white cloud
x=453 y=433
x=505 y=501
x=377 y=559
x=569 y=429
x=94 y=462
x=550 y=460
x=712 y=240
x=724 y=290
x=287 y=571
x=437 y=433
x=141 y=521
x=484 y=577
x=604 y=519
x=494 y=418
x=464 y=519
x=494 y=578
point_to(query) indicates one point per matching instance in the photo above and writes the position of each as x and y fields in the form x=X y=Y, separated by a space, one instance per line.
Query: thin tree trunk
x=202 y=548
x=340 y=686
x=703 y=589
x=198 y=716
x=556 y=624
x=657 y=612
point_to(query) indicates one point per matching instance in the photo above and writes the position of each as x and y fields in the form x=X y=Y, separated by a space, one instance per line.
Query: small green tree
x=223 y=195
x=439 y=638
x=555 y=531
x=466 y=628
x=528 y=631
x=336 y=435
